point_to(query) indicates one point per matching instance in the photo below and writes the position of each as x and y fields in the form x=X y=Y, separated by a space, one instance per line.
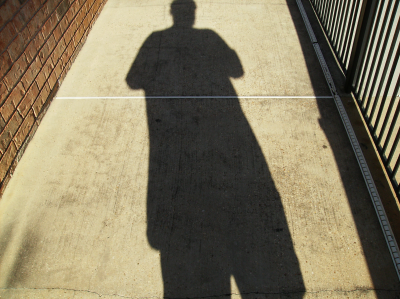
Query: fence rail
x=364 y=34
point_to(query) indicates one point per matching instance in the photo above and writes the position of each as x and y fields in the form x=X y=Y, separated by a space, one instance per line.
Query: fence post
x=363 y=32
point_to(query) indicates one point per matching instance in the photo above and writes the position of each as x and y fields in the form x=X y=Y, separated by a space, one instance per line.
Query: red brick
x=52 y=79
x=18 y=22
x=7 y=35
x=85 y=8
x=64 y=24
x=12 y=101
x=28 y=100
x=46 y=29
x=51 y=42
x=2 y=124
x=74 y=25
x=86 y=22
x=69 y=34
x=35 y=67
x=7 y=160
x=34 y=46
x=49 y=26
x=93 y=9
x=68 y=65
x=24 y=130
x=30 y=51
x=70 y=14
x=7 y=109
x=28 y=10
x=6 y=12
x=53 y=57
x=16 y=71
x=37 y=4
x=78 y=36
x=44 y=53
x=79 y=17
x=57 y=32
x=62 y=8
x=39 y=40
x=41 y=79
x=54 y=20
x=48 y=67
x=26 y=35
x=90 y=4
x=28 y=78
x=67 y=53
x=15 y=3
x=51 y=5
x=58 y=50
x=5 y=63
x=16 y=47
x=63 y=74
x=9 y=131
x=3 y=91
x=76 y=5
x=58 y=68
x=36 y=23
x=41 y=100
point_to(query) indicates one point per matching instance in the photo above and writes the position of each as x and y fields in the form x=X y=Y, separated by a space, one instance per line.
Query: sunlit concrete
x=73 y=219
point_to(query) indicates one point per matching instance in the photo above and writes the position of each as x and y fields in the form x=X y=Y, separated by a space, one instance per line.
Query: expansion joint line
x=376 y=200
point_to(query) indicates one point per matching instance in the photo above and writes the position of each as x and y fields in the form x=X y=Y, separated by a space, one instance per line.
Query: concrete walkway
x=253 y=195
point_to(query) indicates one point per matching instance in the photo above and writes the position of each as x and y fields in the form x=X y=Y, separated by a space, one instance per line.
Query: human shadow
x=213 y=210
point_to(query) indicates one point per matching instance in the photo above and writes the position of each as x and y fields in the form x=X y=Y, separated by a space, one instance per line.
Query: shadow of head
x=183 y=13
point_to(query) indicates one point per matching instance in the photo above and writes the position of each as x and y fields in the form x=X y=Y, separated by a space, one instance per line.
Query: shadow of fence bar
x=364 y=35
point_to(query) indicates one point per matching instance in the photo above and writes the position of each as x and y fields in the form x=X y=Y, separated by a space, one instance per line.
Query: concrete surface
x=192 y=198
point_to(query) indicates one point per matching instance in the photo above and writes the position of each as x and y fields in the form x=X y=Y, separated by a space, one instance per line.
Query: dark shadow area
x=374 y=246
x=213 y=210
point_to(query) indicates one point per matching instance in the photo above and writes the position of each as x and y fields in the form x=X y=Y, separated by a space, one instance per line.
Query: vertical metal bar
x=331 y=12
x=350 y=35
x=333 y=18
x=315 y=4
x=346 y=16
x=325 y=14
x=338 y=24
x=360 y=41
x=326 y=7
x=361 y=79
x=382 y=55
x=391 y=74
x=335 y=21
x=394 y=146
x=396 y=115
x=394 y=172
x=318 y=6
x=382 y=34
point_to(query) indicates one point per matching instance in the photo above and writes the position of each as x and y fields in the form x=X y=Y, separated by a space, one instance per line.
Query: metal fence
x=364 y=35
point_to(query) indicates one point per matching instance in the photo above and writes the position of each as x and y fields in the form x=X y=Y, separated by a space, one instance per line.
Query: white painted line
x=196 y=97
x=376 y=200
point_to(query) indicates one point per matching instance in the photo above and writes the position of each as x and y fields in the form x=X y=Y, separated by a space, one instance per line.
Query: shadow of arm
x=234 y=67
x=141 y=70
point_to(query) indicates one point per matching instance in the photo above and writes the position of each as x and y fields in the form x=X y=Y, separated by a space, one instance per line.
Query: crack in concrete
x=212 y=296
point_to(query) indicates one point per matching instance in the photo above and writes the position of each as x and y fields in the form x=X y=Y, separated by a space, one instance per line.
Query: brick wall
x=39 y=39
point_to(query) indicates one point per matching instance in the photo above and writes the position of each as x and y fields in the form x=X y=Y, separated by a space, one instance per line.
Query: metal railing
x=364 y=34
